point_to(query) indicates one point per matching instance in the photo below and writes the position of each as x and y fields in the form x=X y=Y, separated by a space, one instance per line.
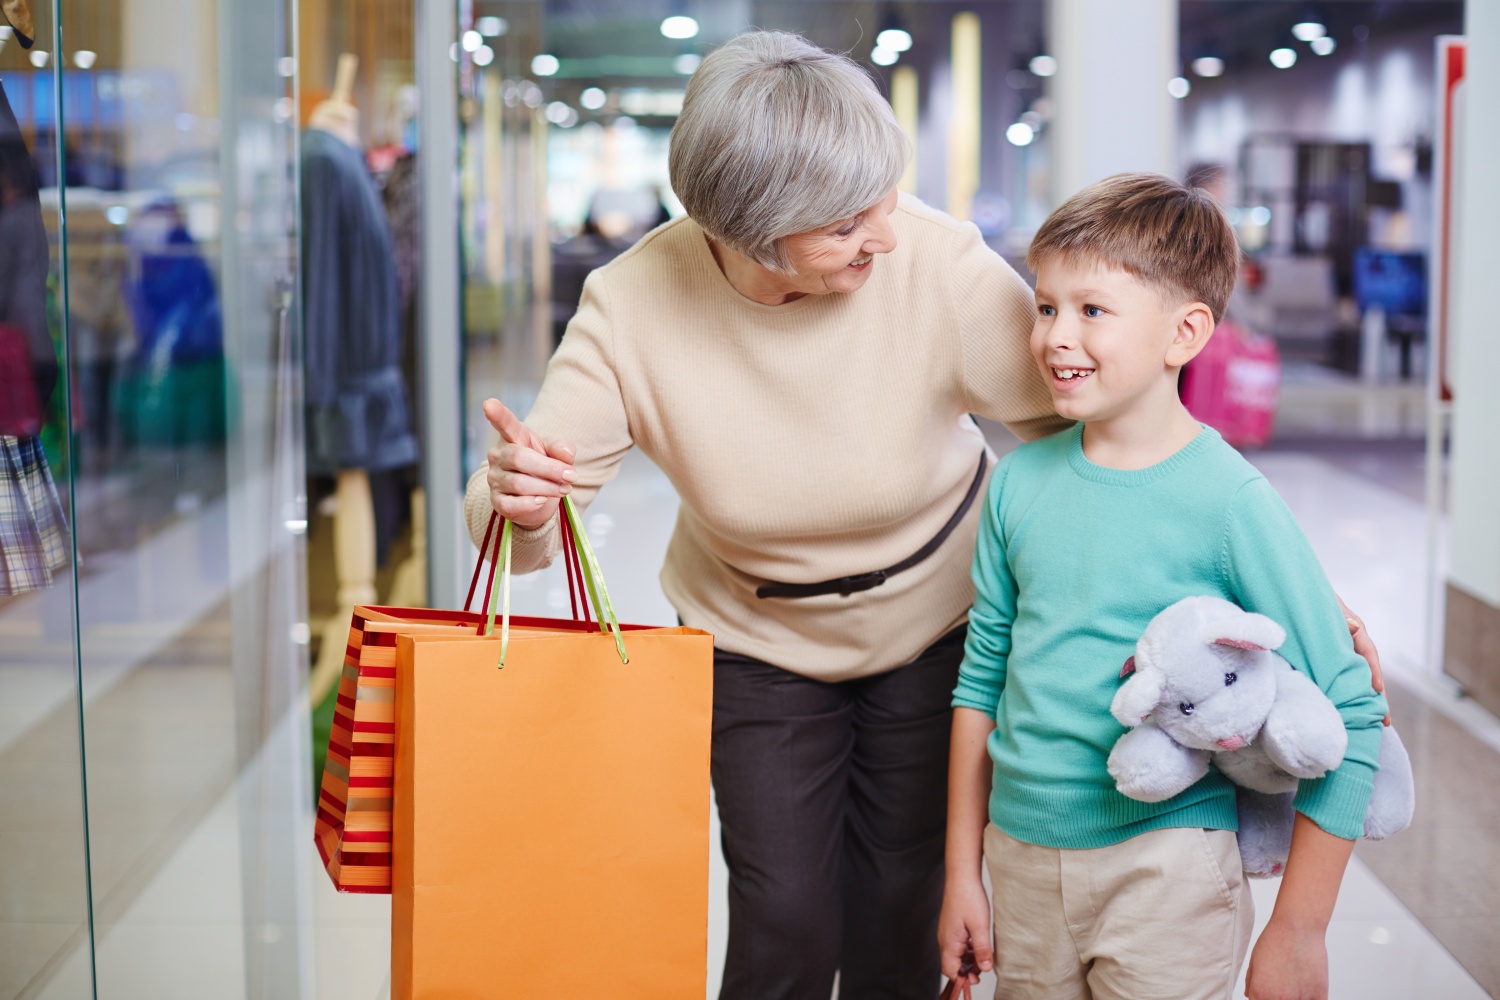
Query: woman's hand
x=528 y=477
x=1365 y=646
x=965 y=923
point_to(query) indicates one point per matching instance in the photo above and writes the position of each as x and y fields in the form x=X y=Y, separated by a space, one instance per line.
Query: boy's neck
x=1152 y=431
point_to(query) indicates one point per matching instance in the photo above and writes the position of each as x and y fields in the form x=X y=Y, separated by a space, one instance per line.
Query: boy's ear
x=1195 y=324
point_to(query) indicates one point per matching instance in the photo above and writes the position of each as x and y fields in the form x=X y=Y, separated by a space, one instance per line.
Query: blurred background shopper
x=800 y=355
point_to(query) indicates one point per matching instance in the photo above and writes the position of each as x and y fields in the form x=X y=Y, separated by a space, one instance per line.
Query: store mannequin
x=337 y=116
x=358 y=421
x=18 y=15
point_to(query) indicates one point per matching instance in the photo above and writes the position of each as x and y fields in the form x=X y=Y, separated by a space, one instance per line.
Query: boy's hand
x=965 y=923
x=1288 y=963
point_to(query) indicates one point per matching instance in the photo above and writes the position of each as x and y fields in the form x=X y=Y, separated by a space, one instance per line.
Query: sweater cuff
x=976 y=696
x=1338 y=801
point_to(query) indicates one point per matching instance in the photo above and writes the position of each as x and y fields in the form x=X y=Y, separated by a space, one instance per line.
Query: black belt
x=846 y=585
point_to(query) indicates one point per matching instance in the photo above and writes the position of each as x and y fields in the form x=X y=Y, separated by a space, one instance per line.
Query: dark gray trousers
x=833 y=803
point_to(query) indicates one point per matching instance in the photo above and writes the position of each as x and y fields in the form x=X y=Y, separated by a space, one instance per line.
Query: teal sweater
x=1073 y=560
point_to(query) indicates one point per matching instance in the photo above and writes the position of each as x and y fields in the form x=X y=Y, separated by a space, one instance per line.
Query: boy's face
x=1107 y=343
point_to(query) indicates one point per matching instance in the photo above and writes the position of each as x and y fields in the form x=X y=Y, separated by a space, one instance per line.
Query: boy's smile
x=1068 y=377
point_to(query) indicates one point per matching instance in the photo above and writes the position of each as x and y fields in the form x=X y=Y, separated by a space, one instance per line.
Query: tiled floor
x=1418 y=915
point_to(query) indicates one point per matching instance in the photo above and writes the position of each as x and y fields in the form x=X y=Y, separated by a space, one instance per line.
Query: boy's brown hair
x=1170 y=236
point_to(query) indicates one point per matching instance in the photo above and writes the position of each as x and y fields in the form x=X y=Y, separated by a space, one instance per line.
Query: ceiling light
x=559 y=113
x=894 y=39
x=545 y=65
x=1020 y=134
x=1179 y=87
x=1208 y=66
x=1260 y=215
x=592 y=98
x=884 y=57
x=285 y=66
x=687 y=64
x=453 y=52
x=1042 y=66
x=1306 y=31
x=38 y=58
x=492 y=27
x=484 y=55
x=1283 y=58
x=1323 y=46
x=117 y=215
x=679 y=26
x=84 y=58
x=472 y=40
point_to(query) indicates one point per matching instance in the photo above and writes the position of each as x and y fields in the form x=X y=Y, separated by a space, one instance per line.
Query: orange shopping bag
x=553 y=809
x=352 y=827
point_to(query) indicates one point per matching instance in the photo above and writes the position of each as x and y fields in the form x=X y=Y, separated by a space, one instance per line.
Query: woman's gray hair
x=778 y=136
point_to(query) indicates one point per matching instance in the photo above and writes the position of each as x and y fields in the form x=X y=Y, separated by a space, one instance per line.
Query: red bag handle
x=967 y=967
x=571 y=564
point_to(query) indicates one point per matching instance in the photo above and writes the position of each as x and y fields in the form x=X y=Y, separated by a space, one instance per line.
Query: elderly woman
x=800 y=356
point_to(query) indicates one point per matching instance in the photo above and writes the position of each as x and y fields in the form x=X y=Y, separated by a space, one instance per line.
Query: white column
x=1111 y=109
x=1475 y=497
x=441 y=340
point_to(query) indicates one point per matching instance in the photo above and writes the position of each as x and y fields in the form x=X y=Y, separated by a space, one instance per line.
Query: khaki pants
x=1166 y=915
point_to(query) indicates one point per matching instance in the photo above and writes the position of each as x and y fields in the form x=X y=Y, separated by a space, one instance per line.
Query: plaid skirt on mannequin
x=33 y=529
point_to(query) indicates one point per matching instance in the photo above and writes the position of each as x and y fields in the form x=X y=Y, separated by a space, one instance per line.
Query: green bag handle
x=593 y=580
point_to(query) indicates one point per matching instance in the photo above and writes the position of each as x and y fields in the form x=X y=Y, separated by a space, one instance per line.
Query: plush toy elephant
x=1206 y=685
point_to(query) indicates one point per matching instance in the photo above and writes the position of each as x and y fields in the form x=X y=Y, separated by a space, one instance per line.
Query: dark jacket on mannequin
x=358 y=416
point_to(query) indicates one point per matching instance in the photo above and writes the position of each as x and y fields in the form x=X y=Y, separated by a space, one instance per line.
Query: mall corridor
x=261 y=266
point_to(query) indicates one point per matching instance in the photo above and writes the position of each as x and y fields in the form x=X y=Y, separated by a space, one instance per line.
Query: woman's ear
x=1195 y=324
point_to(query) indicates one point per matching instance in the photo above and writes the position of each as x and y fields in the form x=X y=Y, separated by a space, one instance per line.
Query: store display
x=34 y=540
x=356 y=398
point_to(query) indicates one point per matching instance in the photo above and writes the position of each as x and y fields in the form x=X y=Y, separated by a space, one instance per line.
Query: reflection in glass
x=43 y=875
x=170 y=300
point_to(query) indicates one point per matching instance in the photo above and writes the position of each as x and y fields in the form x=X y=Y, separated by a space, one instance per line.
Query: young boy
x=1085 y=536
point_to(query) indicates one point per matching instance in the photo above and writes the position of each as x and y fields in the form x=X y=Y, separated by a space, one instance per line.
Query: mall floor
x=1418 y=917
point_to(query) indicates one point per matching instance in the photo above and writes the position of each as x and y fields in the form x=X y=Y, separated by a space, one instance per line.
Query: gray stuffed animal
x=1206 y=685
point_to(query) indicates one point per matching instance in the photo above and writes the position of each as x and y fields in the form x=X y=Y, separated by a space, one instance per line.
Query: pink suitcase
x=1233 y=384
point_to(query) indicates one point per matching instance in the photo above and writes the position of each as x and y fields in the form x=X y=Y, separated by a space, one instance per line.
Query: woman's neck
x=753 y=281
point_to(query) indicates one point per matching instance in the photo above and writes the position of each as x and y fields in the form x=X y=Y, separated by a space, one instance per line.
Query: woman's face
x=839 y=257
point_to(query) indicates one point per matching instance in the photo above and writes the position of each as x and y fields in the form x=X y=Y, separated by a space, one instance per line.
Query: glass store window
x=154 y=797
x=44 y=894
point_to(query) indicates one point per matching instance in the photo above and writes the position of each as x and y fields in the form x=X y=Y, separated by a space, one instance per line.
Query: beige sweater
x=818 y=439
